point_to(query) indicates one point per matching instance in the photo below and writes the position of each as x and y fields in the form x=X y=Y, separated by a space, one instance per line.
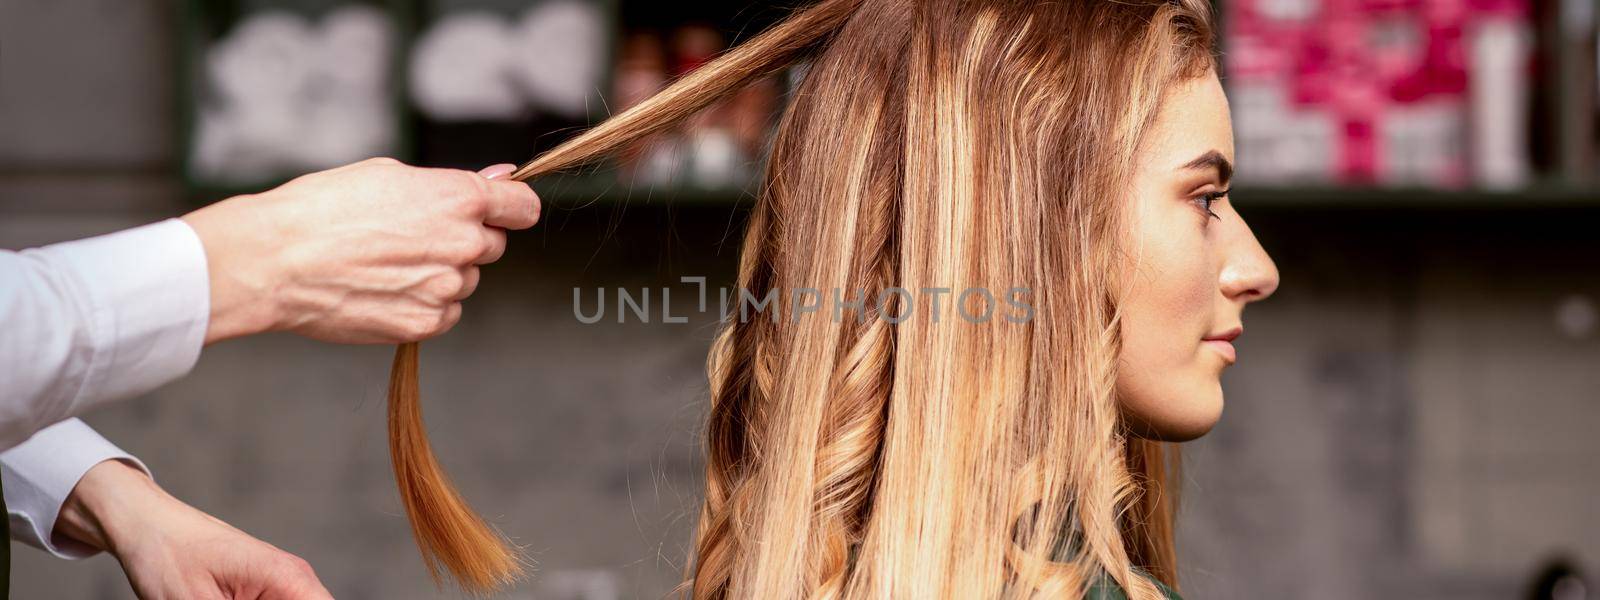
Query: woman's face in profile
x=1191 y=269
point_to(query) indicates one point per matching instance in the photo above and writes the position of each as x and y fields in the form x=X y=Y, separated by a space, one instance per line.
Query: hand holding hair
x=371 y=252
x=448 y=532
x=374 y=252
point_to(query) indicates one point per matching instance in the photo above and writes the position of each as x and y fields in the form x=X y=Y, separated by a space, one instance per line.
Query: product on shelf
x=486 y=66
x=560 y=56
x=712 y=151
x=280 y=94
x=461 y=69
x=1393 y=92
x=717 y=148
x=641 y=71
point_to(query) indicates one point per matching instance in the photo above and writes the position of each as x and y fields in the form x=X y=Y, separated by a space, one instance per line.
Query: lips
x=1223 y=343
x=1226 y=336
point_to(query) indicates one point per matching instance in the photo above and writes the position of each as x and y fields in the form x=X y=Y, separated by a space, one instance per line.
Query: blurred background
x=1417 y=414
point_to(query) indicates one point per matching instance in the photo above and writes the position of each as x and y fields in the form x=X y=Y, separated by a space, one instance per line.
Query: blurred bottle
x=1564 y=120
x=1501 y=48
x=1578 y=82
x=714 y=154
x=641 y=72
x=751 y=117
x=641 y=69
x=1581 y=44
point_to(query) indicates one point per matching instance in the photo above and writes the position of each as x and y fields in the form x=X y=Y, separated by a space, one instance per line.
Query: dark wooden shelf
x=574 y=191
x=580 y=191
x=1333 y=197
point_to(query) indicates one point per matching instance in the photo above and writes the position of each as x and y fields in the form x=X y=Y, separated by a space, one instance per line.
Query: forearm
x=97 y=320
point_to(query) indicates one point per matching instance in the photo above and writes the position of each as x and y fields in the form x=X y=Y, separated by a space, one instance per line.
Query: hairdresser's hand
x=373 y=252
x=172 y=550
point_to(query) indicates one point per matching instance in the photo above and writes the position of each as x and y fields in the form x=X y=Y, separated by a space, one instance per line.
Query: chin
x=1180 y=416
x=1184 y=432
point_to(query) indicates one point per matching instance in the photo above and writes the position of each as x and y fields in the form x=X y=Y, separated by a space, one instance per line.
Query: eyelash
x=1210 y=198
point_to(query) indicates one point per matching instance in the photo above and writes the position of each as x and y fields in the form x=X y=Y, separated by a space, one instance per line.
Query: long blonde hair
x=932 y=144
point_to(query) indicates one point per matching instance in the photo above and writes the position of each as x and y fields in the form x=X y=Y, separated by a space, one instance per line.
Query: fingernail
x=497 y=171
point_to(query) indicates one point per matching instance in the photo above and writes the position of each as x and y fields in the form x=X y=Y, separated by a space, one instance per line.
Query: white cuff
x=40 y=473
x=150 y=305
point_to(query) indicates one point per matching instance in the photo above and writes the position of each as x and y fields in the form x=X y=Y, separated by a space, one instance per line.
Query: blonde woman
x=1072 y=156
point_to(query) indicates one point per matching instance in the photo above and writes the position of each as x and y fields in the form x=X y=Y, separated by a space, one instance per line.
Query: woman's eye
x=1207 y=199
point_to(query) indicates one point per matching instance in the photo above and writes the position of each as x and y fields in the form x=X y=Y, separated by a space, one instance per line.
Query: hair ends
x=448 y=532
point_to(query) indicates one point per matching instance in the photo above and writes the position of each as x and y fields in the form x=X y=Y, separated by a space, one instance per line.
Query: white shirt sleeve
x=92 y=321
x=40 y=473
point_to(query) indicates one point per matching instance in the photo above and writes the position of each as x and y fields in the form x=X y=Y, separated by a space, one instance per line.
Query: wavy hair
x=889 y=452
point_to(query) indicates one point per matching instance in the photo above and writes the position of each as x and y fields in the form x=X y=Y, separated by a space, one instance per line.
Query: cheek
x=1176 y=288
x=1165 y=380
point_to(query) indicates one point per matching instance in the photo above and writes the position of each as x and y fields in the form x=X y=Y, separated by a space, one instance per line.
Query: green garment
x=1107 y=589
x=1104 y=588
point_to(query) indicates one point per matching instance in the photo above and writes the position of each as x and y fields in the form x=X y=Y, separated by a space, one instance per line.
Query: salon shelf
x=576 y=191
x=580 y=191
x=1333 y=197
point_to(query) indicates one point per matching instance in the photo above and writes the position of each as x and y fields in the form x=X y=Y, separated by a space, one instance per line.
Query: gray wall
x=1407 y=420
x=1411 y=420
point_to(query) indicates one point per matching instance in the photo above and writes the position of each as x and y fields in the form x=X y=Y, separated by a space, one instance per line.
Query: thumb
x=295 y=589
x=497 y=171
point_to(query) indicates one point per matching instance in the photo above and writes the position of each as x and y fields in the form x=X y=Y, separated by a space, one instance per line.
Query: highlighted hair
x=960 y=143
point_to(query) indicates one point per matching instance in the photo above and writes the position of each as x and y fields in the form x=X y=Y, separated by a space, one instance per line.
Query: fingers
x=296 y=580
x=494 y=246
x=469 y=283
x=452 y=315
x=512 y=204
x=311 y=589
x=425 y=324
x=316 y=593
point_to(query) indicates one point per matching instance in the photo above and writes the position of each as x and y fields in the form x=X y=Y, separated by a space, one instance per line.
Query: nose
x=1248 y=275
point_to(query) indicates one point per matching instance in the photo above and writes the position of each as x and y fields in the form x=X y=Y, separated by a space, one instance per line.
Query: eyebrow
x=1213 y=160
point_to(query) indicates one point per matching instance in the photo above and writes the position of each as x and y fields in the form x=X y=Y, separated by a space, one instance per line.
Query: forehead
x=1194 y=118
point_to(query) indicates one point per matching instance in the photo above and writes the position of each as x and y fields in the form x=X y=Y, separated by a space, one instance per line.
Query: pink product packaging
x=1388 y=83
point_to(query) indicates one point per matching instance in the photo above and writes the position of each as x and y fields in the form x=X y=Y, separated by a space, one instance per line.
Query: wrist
x=110 y=505
x=243 y=275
